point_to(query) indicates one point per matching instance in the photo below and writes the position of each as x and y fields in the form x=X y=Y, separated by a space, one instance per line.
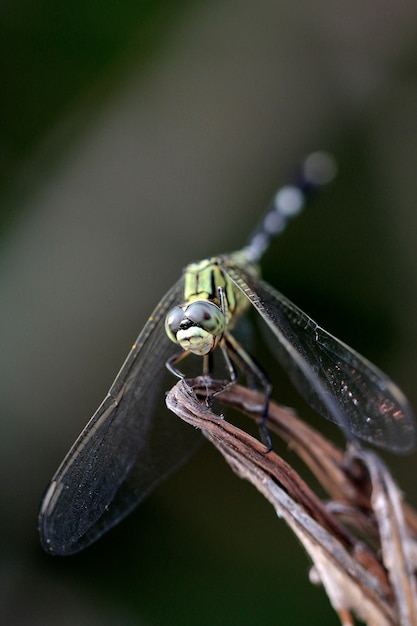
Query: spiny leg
x=208 y=364
x=233 y=348
x=172 y=362
x=207 y=371
x=230 y=368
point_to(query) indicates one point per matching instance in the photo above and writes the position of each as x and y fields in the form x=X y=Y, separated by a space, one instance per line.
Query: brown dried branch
x=361 y=543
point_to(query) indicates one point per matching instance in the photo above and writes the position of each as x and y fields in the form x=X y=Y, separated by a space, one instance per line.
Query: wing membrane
x=334 y=379
x=130 y=444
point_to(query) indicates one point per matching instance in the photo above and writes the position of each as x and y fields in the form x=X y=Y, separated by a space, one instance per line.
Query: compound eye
x=173 y=321
x=208 y=316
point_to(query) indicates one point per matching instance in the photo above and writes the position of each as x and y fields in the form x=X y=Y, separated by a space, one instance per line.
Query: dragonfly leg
x=207 y=364
x=254 y=370
x=231 y=369
x=207 y=369
x=173 y=360
x=231 y=349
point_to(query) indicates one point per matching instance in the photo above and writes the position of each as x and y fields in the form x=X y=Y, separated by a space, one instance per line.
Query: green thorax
x=203 y=279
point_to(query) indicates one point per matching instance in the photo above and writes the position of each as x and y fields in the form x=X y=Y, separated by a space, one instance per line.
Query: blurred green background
x=136 y=137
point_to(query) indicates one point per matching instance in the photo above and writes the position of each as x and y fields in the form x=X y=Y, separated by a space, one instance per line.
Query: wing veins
x=335 y=380
x=123 y=452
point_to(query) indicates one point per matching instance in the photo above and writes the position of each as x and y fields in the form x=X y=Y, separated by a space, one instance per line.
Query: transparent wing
x=130 y=444
x=334 y=379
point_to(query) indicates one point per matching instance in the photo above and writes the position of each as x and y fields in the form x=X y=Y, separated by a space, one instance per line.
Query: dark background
x=136 y=137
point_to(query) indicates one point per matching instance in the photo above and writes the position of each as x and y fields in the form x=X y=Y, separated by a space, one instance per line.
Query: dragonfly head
x=196 y=327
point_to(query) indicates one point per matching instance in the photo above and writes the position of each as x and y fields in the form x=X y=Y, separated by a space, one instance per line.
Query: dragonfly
x=132 y=442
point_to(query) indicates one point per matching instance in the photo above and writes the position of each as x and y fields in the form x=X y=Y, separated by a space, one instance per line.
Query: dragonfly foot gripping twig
x=365 y=567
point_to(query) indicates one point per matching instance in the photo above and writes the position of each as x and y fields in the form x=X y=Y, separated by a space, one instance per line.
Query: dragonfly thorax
x=196 y=326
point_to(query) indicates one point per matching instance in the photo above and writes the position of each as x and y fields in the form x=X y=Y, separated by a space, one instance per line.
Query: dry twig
x=361 y=543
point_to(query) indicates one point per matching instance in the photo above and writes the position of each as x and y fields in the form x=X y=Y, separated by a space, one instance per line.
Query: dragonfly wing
x=130 y=445
x=334 y=379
